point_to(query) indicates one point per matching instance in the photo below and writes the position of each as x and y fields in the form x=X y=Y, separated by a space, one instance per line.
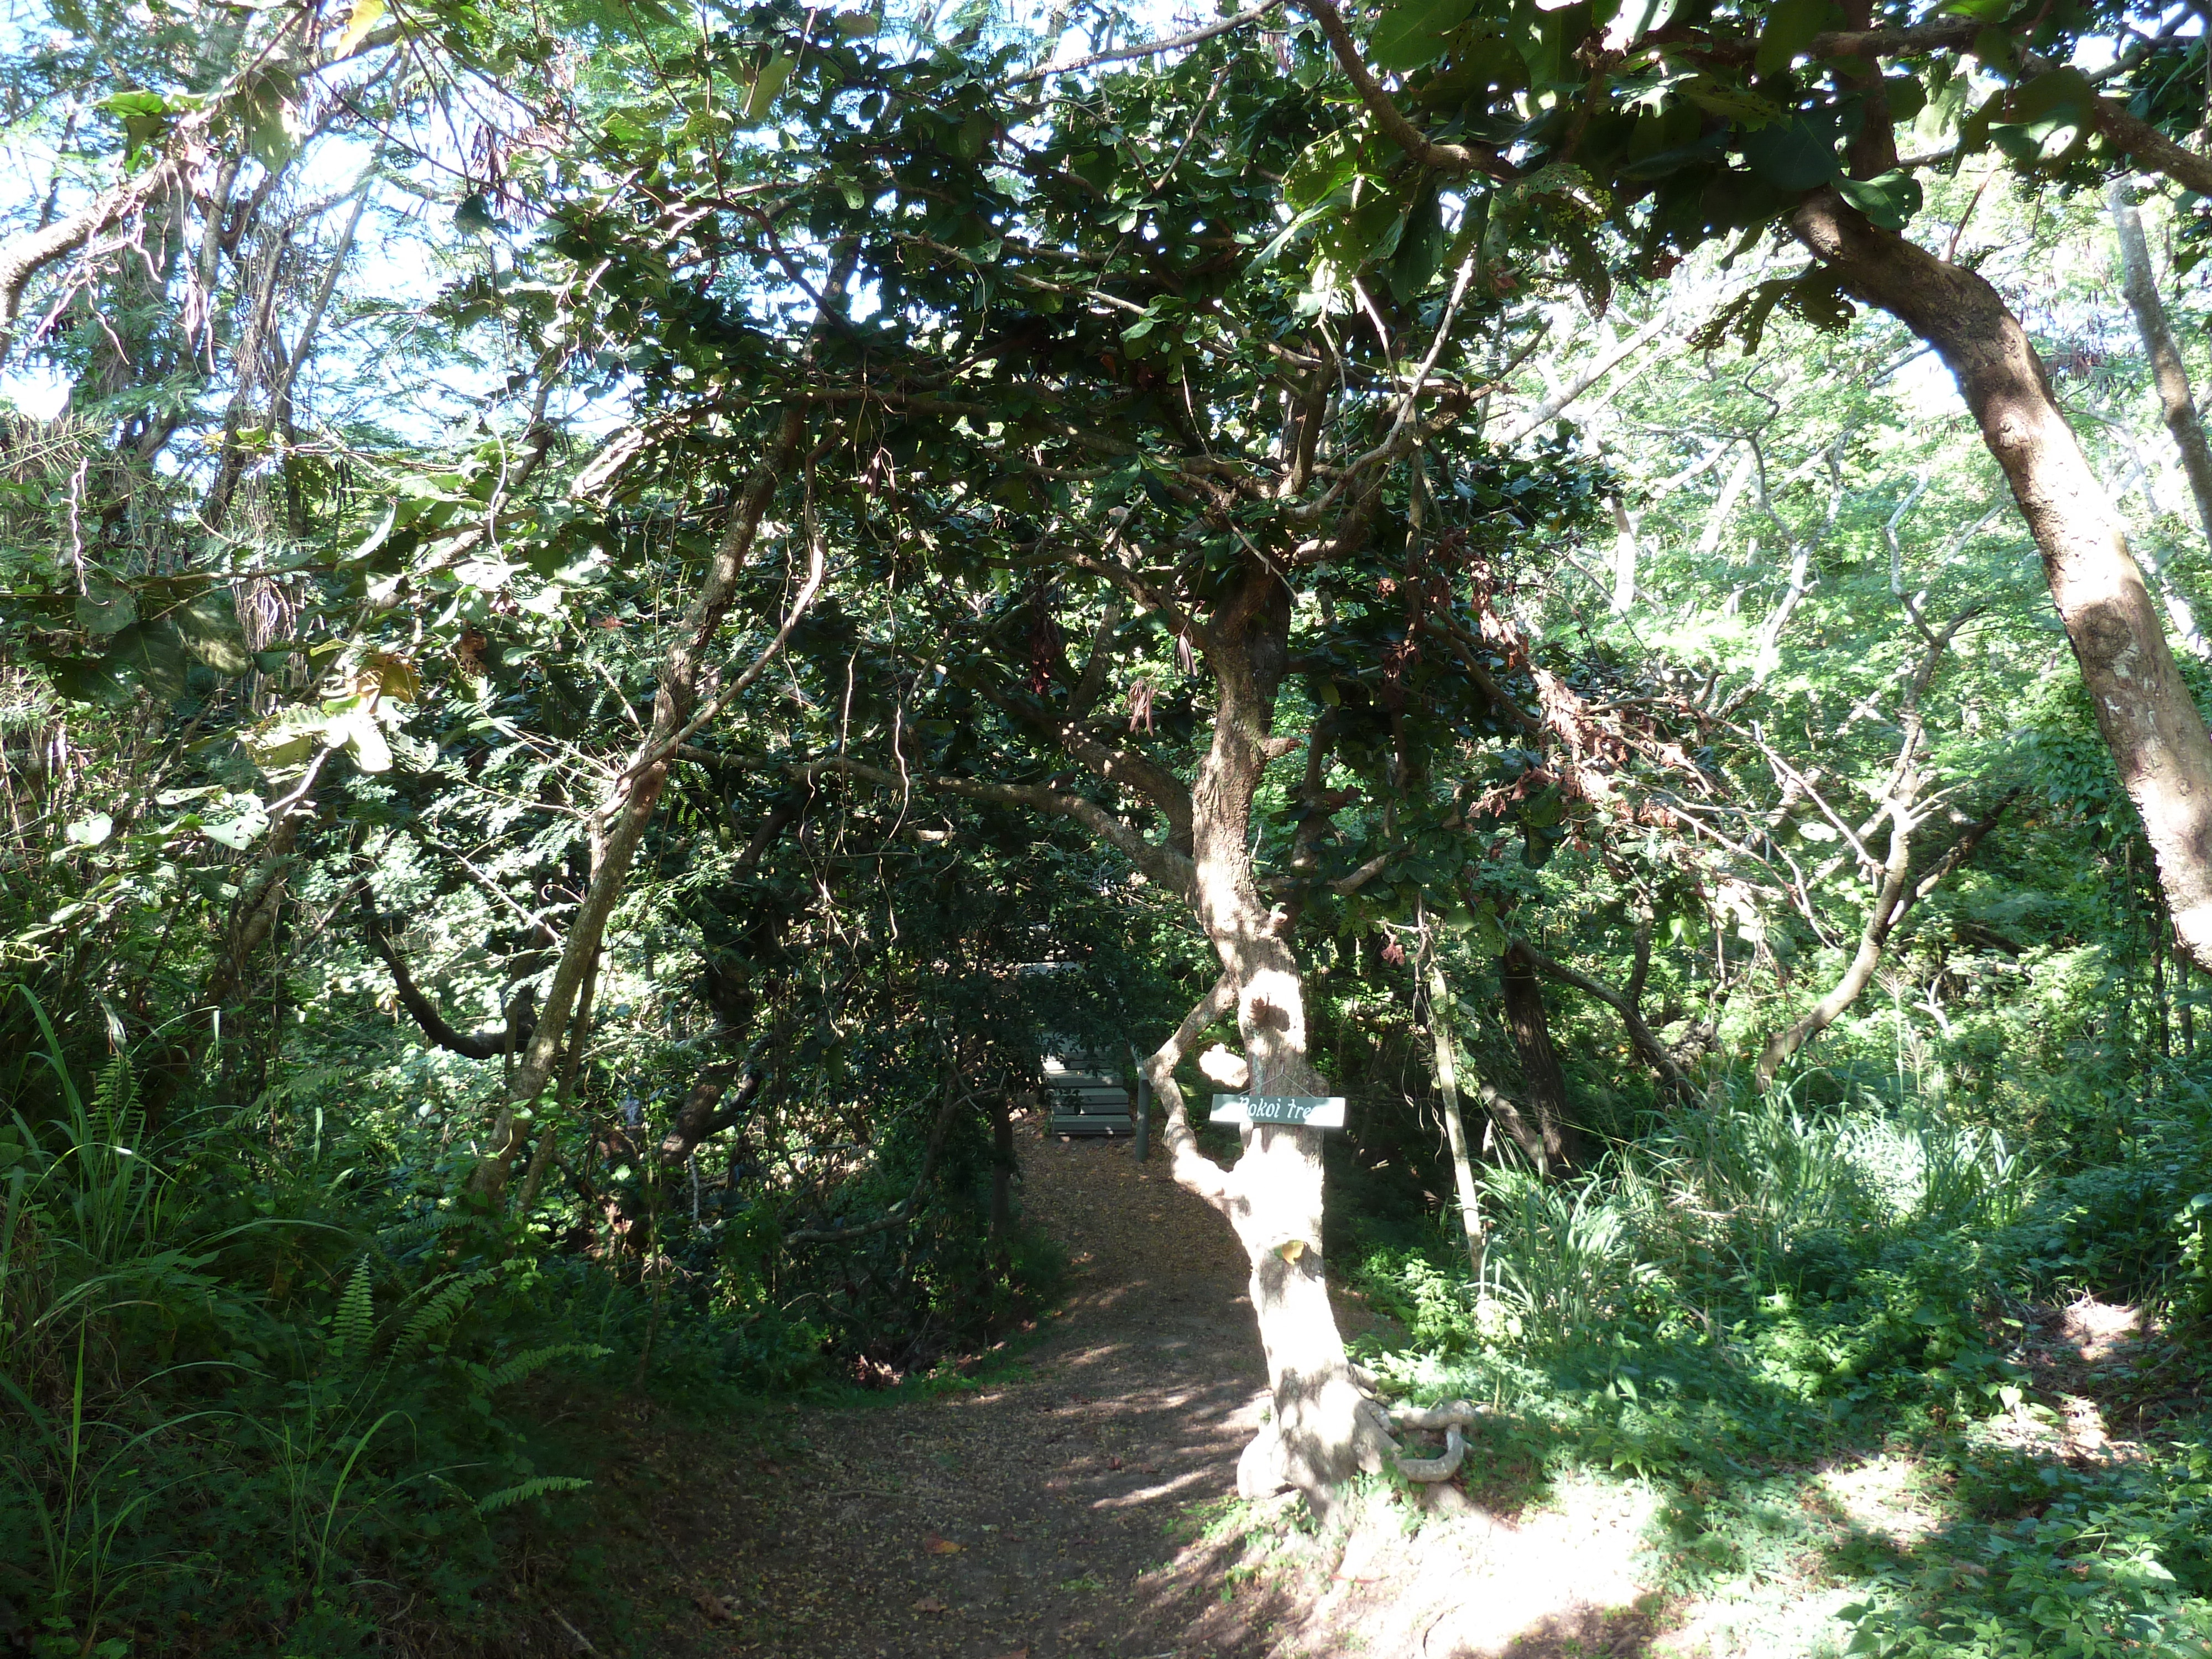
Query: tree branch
x=490 y=1043
x=1457 y=159
x=1645 y=1041
x=1192 y=1169
x=1149 y=49
x=1162 y=863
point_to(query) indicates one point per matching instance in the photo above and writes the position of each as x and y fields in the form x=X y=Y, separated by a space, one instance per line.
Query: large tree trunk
x=2155 y=732
x=1324 y=1429
x=2169 y=379
x=1523 y=997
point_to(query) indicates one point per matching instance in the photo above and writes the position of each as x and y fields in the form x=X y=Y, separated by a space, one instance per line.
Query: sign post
x=1144 y=1104
x=1295 y=1111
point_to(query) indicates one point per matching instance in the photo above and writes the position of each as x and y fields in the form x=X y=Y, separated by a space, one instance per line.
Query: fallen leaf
x=931 y=1604
x=937 y=1546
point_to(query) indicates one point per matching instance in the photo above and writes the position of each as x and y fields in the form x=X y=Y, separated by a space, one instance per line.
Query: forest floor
x=1076 y=1498
x=1079 y=1500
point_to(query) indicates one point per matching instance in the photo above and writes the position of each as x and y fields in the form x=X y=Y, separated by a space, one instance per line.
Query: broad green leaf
x=106 y=610
x=1326 y=167
x=1890 y=201
x=1789 y=155
x=1737 y=103
x=1790 y=27
x=1412 y=33
x=1906 y=97
x=1635 y=20
x=2064 y=92
x=90 y=830
x=356 y=731
x=151 y=655
x=208 y=624
x=761 y=95
x=243 y=828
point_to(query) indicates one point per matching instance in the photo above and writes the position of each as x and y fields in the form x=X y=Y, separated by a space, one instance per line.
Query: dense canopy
x=619 y=626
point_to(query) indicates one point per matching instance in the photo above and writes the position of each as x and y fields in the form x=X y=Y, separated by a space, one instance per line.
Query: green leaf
x=356 y=731
x=105 y=609
x=1412 y=33
x=474 y=214
x=208 y=624
x=240 y=832
x=2065 y=93
x=856 y=25
x=1790 y=27
x=149 y=655
x=1890 y=201
x=1734 y=102
x=1905 y=96
x=761 y=95
x=135 y=106
x=1326 y=167
x=1790 y=155
x=1994 y=46
x=90 y=830
x=1635 y=20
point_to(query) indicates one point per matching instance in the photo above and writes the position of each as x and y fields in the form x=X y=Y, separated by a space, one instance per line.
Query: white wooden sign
x=1303 y=1111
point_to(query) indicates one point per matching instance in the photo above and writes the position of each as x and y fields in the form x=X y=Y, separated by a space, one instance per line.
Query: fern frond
x=538 y=1485
x=440 y=1314
x=353 y=1326
x=116 y=1092
x=523 y=1364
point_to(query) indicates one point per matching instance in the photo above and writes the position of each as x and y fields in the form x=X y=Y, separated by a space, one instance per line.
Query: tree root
x=1451 y=1416
x=1431 y=1470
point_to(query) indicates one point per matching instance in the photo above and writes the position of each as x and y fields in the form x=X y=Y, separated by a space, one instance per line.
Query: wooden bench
x=1086 y=1102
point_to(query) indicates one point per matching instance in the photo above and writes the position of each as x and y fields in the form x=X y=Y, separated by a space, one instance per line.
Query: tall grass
x=231 y=1424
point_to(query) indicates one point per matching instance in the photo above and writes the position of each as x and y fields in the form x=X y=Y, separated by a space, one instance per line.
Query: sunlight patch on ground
x=1457 y=1581
x=1887 y=1497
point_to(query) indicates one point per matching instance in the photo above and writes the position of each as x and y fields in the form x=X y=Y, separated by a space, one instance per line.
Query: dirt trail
x=1048 y=1517
x=1058 y=1487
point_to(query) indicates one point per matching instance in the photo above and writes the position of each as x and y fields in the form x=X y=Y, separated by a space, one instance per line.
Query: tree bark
x=1624 y=557
x=1641 y=1037
x=2154 y=731
x=2169 y=378
x=1881 y=920
x=489 y=1043
x=1324 y=1429
x=564 y=1094
x=1523 y=997
x=1893 y=902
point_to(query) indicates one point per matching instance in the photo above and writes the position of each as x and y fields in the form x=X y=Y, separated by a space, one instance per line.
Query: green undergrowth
x=259 y=1398
x=1756 y=1309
